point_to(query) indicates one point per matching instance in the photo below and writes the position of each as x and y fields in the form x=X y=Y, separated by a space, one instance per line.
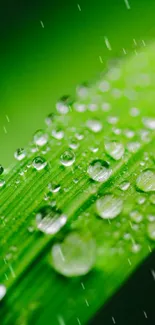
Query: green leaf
x=94 y=165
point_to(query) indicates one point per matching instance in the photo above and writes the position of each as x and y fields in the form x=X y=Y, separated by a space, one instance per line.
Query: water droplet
x=104 y=86
x=109 y=206
x=146 y=180
x=149 y=122
x=58 y=133
x=50 y=220
x=40 y=138
x=152 y=198
x=151 y=231
x=1 y=169
x=124 y=186
x=112 y=119
x=141 y=200
x=136 y=216
x=135 y=248
x=49 y=119
x=133 y=146
x=106 y=107
x=114 y=149
x=94 y=125
x=73 y=144
x=79 y=107
x=2 y=182
x=82 y=91
x=2 y=291
x=20 y=154
x=63 y=105
x=129 y=133
x=75 y=256
x=54 y=187
x=67 y=158
x=99 y=170
x=134 y=111
x=39 y=163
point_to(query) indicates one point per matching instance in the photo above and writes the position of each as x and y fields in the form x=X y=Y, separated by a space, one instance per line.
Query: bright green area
x=38 y=65
x=35 y=292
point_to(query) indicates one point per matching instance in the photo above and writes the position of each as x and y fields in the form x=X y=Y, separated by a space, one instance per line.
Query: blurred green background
x=48 y=47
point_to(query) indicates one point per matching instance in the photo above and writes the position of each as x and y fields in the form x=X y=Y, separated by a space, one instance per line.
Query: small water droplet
x=63 y=105
x=73 y=144
x=129 y=133
x=39 y=163
x=54 y=187
x=94 y=125
x=149 y=122
x=49 y=119
x=135 y=248
x=124 y=186
x=67 y=158
x=136 y=216
x=2 y=182
x=20 y=154
x=109 y=206
x=134 y=111
x=75 y=256
x=151 y=231
x=82 y=91
x=1 y=169
x=106 y=107
x=133 y=146
x=114 y=149
x=99 y=170
x=112 y=119
x=50 y=220
x=2 y=291
x=141 y=200
x=146 y=180
x=58 y=133
x=152 y=198
x=40 y=138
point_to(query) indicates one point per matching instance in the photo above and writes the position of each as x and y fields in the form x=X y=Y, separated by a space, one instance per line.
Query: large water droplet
x=94 y=125
x=109 y=206
x=20 y=154
x=49 y=220
x=146 y=180
x=2 y=291
x=75 y=256
x=39 y=163
x=149 y=122
x=114 y=149
x=67 y=158
x=151 y=231
x=99 y=170
x=40 y=138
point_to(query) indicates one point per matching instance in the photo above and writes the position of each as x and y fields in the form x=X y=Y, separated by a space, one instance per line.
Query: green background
x=38 y=65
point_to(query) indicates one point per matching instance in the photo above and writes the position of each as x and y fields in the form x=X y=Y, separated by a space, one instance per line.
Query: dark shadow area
x=134 y=303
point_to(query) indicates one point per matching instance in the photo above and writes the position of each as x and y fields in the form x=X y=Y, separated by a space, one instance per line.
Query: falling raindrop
x=151 y=231
x=99 y=170
x=75 y=256
x=67 y=158
x=94 y=125
x=2 y=291
x=20 y=154
x=49 y=220
x=39 y=163
x=114 y=149
x=40 y=138
x=146 y=180
x=109 y=206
